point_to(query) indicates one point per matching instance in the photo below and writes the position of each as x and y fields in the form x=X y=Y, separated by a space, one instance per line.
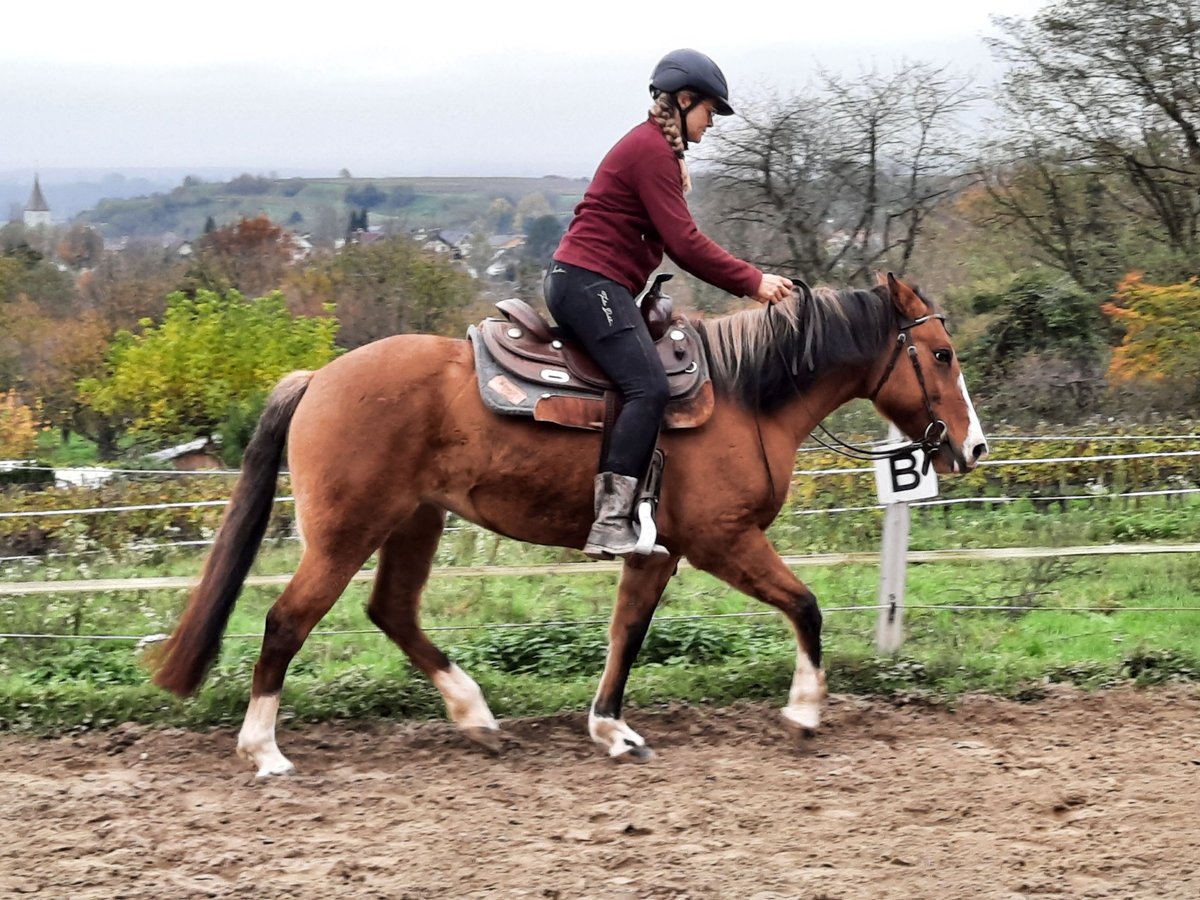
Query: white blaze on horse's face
x=974 y=448
x=923 y=388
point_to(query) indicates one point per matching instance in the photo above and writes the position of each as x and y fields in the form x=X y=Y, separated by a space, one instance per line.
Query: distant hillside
x=322 y=206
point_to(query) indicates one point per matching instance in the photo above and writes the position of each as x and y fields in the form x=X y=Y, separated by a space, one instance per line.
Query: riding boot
x=612 y=533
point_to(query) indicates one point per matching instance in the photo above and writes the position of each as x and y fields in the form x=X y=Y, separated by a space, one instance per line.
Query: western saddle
x=527 y=368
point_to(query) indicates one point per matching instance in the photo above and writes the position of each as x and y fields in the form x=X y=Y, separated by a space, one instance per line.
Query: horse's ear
x=881 y=277
x=905 y=298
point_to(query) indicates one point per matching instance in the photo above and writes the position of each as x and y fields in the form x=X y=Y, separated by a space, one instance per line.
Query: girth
x=526 y=368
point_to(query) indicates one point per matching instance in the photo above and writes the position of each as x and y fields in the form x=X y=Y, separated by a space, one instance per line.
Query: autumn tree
x=130 y=285
x=250 y=256
x=389 y=286
x=81 y=247
x=1161 y=345
x=212 y=356
x=18 y=428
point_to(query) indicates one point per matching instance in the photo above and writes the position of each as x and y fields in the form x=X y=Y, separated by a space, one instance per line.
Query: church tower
x=37 y=213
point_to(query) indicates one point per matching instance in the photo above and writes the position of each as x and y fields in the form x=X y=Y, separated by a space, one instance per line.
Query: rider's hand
x=773 y=288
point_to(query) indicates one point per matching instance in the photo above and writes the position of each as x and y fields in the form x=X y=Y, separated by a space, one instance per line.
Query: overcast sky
x=422 y=87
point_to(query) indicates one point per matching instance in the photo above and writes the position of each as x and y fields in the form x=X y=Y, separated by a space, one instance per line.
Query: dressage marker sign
x=905 y=476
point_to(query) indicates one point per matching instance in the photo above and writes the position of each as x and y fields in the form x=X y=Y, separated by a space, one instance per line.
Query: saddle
x=527 y=368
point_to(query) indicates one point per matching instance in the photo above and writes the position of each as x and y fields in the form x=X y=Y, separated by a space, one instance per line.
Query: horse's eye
x=943 y=356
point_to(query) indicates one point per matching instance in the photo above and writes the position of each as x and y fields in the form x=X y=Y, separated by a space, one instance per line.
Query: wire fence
x=102 y=585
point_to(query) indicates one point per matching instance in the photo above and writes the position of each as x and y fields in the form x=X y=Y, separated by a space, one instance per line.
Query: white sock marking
x=808 y=690
x=464 y=699
x=613 y=734
x=256 y=741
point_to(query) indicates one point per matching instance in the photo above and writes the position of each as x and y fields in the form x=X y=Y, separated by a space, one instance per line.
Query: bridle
x=935 y=432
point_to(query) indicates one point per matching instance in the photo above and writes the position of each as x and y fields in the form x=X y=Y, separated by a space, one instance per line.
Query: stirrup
x=647 y=531
x=645 y=507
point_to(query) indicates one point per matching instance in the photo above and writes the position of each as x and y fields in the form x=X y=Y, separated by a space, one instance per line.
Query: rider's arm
x=661 y=189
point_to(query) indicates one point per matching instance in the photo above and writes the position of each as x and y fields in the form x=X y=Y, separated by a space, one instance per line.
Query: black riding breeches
x=603 y=317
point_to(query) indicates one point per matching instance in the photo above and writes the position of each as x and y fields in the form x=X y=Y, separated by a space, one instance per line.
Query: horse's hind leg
x=404 y=564
x=319 y=581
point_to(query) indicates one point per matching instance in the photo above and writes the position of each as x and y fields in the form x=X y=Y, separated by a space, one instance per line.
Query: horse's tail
x=186 y=656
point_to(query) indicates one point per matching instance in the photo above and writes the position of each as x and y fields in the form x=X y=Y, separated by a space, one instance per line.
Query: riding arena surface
x=1074 y=795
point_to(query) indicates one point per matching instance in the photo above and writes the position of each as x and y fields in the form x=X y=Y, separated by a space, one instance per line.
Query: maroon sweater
x=634 y=209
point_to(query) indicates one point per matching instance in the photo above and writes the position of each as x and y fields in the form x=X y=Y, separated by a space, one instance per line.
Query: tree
x=367 y=197
x=81 y=247
x=126 y=287
x=837 y=183
x=1109 y=91
x=26 y=273
x=529 y=207
x=389 y=286
x=542 y=235
x=18 y=428
x=212 y=353
x=1042 y=351
x=250 y=256
x=1162 y=336
x=248 y=184
x=499 y=217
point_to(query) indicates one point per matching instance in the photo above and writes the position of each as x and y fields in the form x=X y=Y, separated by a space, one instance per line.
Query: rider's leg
x=603 y=316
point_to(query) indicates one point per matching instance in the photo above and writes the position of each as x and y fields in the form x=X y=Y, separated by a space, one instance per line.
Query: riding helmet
x=692 y=70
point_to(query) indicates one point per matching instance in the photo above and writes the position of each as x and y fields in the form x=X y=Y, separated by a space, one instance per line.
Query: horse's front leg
x=642 y=582
x=749 y=563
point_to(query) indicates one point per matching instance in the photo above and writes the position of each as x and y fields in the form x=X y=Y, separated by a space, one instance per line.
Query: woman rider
x=632 y=211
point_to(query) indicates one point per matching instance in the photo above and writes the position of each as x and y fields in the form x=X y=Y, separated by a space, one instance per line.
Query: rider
x=632 y=211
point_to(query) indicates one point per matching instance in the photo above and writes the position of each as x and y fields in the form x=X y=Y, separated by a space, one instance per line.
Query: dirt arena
x=1077 y=795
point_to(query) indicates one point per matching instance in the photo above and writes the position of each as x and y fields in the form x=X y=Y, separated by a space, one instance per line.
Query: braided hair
x=665 y=111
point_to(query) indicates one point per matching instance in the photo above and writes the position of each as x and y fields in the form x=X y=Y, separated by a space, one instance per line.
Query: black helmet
x=692 y=70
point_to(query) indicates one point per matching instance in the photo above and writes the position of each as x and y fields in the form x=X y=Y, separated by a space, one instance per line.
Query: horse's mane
x=762 y=356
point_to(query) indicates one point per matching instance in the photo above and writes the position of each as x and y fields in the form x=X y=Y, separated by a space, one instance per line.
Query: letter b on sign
x=905 y=476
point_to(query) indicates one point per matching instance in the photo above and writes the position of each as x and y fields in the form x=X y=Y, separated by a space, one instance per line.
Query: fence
x=26 y=588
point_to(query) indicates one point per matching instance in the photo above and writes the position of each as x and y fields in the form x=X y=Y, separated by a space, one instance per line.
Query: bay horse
x=386 y=439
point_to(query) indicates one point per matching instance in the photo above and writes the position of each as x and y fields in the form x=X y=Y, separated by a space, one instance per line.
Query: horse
x=383 y=441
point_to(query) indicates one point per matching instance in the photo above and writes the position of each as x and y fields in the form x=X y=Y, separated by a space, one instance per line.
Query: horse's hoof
x=800 y=728
x=798 y=731
x=276 y=771
x=268 y=764
x=638 y=754
x=488 y=738
x=802 y=721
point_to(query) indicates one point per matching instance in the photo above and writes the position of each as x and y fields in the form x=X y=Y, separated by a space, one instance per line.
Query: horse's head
x=918 y=385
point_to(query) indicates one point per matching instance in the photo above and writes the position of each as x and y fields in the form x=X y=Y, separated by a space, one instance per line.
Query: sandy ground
x=1077 y=795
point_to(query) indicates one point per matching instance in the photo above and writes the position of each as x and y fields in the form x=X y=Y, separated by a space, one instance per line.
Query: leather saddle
x=527 y=368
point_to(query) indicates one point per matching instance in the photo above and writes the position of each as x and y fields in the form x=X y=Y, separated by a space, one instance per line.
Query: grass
x=62 y=685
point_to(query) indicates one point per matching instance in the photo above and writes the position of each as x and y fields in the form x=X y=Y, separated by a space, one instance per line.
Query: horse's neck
x=801 y=415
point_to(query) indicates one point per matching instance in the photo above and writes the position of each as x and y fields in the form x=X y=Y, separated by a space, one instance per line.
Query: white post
x=889 y=631
x=900 y=478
